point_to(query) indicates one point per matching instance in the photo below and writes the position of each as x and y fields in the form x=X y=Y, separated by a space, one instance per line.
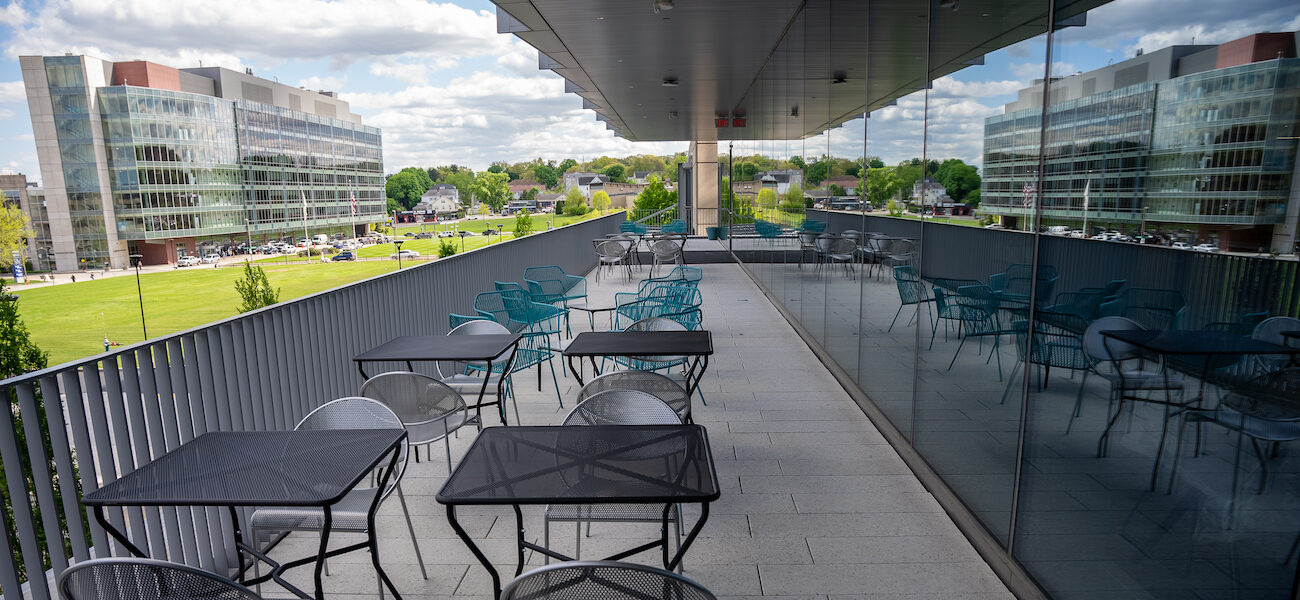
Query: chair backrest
x=454 y=320
x=1098 y=347
x=602 y=580
x=355 y=412
x=656 y=324
x=145 y=579
x=665 y=248
x=844 y=245
x=909 y=284
x=682 y=273
x=502 y=286
x=507 y=307
x=1270 y=329
x=612 y=249
x=655 y=384
x=421 y=402
x=808 y=238
x=813 y=225
x=479 y=327
x=1153 y=308
x=622 y=407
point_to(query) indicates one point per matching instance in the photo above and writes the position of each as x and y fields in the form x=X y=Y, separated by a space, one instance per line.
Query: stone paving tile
x=815 y=505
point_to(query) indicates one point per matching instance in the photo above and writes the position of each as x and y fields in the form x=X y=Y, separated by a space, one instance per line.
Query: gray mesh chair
x=470 y=385
x=660 y=386
x=428 y=408
x=1270 y=330
x=614 y=407
x=145 y=579
x=613 y=252
x=1127 y=374
x=348 y=515
x=602 y=580
x=665 y=251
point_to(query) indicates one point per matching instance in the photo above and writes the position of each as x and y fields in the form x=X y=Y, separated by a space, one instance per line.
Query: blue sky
x=446 y=88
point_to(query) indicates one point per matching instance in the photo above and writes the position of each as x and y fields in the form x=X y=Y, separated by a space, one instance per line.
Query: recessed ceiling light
x=670 y=82
x=600 y=18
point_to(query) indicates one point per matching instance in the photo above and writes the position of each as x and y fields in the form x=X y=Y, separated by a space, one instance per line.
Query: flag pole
x=304 y=224
x=1086 y=188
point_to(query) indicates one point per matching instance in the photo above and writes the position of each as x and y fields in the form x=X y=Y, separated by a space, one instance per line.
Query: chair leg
x=556 y=383
x=954 y=354
x=446 y=438
x=896 y=313
x=411 y=528
x=1078 y=404
x=1011 y=380
x=546 y=539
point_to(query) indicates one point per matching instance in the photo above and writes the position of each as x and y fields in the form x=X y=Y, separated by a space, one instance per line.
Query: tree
x=798 y=162
x=420 y=175
x=615 y=172
x=745 y=171
x=405 y=188
x=566 y=165
x=972 y=199
x=767 y=198
x=574 y=203
x=894 y=209
x=523 y=223
x=493 y=188
x=874 y=162
x=255 y=289
x=497 y=167
x=957 y=178
x=600 y=201
x=14 y=231
x=464 y=180
x=529 y=194
x=654 y=197
x=393 y=206
x=908 y=174
x=818 y=172
x=880 y=184
x=546 y=175
x=836 y=190
x=645 y=162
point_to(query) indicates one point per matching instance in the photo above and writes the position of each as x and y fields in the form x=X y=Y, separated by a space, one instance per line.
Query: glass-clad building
x=192 y=161
x=1195 y=153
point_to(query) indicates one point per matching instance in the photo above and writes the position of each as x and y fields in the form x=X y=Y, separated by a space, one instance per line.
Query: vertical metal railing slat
x=65 y=474
x=100 y=455
x=24 y=520
x=200 y=518
x=124 y=519
x=183 y=431
x=160 y=418
x=84 y=464
x=140 y=436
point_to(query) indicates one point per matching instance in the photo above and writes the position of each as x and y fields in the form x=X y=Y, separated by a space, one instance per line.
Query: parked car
x=211 y=258
x=1205 y=248
x=489 y=231
x=446 y=233
x=187 y=261
x=1180 y=246
x=423 y=235
x=405 y=254
x=344 y=255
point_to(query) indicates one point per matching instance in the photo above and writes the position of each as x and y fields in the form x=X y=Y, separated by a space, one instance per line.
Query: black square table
x=695 y=345
x=450 y=348
x=259 y=468
x=611 y=464
x=1176 y=344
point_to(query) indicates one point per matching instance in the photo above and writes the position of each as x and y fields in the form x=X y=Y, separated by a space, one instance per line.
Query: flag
x=353 y=197
x=304 y=204
x=1086 y=188
x=1029 y=195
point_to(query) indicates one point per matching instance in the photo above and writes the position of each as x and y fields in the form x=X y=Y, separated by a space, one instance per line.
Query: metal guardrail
x=90 y=421
x=653 y=219
x=1217 y=287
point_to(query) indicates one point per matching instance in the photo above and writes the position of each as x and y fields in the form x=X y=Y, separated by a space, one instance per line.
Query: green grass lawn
x=70 y=321
x=540 y=221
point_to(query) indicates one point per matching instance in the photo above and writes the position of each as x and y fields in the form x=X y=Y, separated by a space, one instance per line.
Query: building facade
x=143 y=159
x=1189 y=141
x=442 y=199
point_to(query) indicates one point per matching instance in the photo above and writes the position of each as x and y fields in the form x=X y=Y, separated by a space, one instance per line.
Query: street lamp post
x=135 y=261
x=398 y=244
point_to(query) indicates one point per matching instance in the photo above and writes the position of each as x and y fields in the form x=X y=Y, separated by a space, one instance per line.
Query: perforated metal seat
x=602 y=580
x=429 y=409
x=615 y=407
x=145 y=579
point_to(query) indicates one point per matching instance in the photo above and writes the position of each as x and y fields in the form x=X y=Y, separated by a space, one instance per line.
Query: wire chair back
x=422 y=403
x=660 y=386
x=622 y=407
x=355 y=412
x=145 y=579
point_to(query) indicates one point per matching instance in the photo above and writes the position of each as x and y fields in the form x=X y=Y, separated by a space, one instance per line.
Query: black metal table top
x=641 y=343
x=585 y=465
x=254 y=468
x=1194 y=342
x=441 y=347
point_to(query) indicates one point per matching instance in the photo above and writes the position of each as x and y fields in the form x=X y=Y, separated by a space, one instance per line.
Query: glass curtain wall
x=971 y=245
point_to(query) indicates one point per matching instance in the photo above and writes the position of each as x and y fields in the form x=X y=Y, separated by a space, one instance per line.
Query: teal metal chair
x=910 y=292
x=975 y=308
x=663 y=299
x=673 y=365
x=550 y=284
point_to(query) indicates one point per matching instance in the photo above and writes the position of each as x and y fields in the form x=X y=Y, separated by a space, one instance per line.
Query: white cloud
x=6 y=114
x=520 y=59
x=489 y=116
x=346 y=31
x=1160 y=23
x=947 y=87
x=12 y=91
x=1031 y=71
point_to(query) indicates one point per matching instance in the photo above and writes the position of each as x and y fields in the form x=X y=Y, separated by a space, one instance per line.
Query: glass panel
x=1165 y=130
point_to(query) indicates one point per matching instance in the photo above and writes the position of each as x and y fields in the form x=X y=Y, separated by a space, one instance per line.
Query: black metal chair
x=429 y=409
x=603 y=580
x=145 y=579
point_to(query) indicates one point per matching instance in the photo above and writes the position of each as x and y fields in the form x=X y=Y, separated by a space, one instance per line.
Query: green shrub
x=255 y=289
x=446 y=248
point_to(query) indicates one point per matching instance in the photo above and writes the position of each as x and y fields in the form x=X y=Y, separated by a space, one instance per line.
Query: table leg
x=572 y=369
x=482 y=391
x=318 y=577
x=117 y=535
x=501 y=383
x=519 y=536
x=483 y=560
x=690 y=538
x=371 y=532
x=361 y=367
